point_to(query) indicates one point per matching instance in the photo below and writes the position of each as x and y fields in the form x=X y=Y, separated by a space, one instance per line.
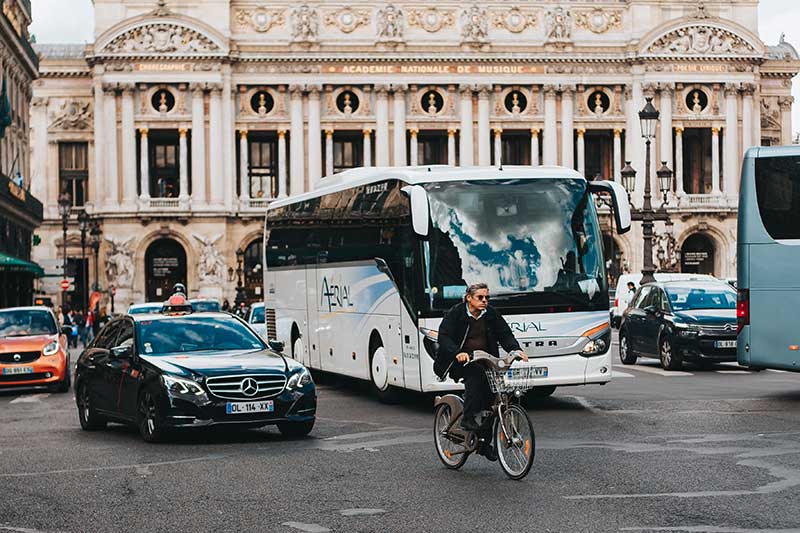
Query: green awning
x=13 y=264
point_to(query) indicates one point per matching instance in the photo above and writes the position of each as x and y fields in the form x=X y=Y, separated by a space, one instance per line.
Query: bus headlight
x=594 y=347
x=599 y=340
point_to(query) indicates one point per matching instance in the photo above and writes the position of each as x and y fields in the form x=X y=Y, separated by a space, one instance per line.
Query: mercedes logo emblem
x=249 y=387
x=17 y=357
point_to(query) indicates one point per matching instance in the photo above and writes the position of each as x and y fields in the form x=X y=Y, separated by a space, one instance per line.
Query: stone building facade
x=187 y=117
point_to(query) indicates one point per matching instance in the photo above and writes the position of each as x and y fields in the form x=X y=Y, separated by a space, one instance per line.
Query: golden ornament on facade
x=598 y=20
x=347 y=19
x=431 y=19
x=514 y=20
x=260 y=19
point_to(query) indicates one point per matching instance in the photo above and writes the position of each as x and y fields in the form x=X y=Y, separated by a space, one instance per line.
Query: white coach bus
x=358 y=274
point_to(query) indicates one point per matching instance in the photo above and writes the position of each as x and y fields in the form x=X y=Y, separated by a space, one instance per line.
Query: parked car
x=621 y=294
x=185 y=369
x=141 y=309
x=677 y=321
x=33 y=351
x=255 y=317
x=205 y=305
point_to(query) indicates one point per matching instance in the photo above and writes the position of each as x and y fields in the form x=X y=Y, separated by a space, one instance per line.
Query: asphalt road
x=715 y=451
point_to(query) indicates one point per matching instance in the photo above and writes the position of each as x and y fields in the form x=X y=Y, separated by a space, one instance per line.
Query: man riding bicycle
x=469 y=326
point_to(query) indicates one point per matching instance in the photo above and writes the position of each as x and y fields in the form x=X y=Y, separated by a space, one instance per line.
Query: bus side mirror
x=420 y=210
x=619 y=201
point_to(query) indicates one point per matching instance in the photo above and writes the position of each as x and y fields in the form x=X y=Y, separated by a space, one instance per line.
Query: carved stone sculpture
x=558 y=25
x=260 y=19
x=598 y=20
x=474 y=25
x=160 y=38
x=390 y=24
x=119 y=262
x=703 y=40
x=431 y=20
x=347 y=19
x=73 y=115
x=305 y=24
x=211 y=267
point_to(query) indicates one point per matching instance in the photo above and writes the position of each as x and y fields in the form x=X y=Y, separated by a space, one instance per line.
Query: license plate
x=15 y=370
x=724 y=344
x=244 y=408
x=527 y=372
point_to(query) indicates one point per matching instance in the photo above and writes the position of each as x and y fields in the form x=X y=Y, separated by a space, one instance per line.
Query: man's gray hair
x=475 y=287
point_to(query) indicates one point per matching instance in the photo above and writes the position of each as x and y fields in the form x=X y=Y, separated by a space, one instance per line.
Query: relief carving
x=431 y=19
x=598 y=20
x=260 y=19
x=514 y=20
x=474 y=26
x=390 y=24
x=558 y=25
x=119 y=262
x=211 y=267
x=347 y=19
x=159 y=38
x=73 y=115
x=305 y=24
x=697 y=40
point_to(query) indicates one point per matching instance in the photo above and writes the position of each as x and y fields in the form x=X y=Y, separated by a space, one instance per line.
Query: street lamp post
x=64 y=208
x=94 y=242
x=240 y=297
x=83 y=225
x=648 y=117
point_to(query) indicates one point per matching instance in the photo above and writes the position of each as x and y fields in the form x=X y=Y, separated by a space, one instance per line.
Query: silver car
x=255 y=318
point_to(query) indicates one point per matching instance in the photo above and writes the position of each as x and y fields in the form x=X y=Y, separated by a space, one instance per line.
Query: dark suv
x=679 y=321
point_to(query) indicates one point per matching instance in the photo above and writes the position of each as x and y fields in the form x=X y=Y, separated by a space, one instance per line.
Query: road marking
x=360 y=512
x=781 y=371
x=708 y=529
x=361 y=435
x=586 y=404
x=308 y=528
x=32 y=398
x=733 y=372
x=658 y=371
x=137 y=467
x=411 y=437
x=20 y=529
x=617 y=374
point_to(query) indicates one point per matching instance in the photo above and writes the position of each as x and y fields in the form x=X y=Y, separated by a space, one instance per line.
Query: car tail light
x=742 y=309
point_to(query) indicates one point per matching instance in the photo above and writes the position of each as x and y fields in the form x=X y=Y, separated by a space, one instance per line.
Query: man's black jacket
x=453 y=331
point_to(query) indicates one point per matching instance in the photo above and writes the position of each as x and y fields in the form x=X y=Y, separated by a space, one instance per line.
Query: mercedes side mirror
x=276 y=345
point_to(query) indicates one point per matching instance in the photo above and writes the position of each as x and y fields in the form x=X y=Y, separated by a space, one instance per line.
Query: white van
x=621 y=294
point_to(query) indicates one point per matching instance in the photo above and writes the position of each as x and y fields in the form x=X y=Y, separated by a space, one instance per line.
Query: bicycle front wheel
x=453 y=455
x=515 y=442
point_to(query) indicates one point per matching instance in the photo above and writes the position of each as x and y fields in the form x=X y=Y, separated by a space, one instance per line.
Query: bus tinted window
x=778 y=194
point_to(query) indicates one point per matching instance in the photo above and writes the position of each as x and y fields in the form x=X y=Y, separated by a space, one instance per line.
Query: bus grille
x=272 y=328
x=231 y=387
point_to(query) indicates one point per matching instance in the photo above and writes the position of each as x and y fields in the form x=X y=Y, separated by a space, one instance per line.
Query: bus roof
x=426 y=174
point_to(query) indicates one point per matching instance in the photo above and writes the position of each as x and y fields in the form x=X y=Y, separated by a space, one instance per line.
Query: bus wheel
x=379 y=374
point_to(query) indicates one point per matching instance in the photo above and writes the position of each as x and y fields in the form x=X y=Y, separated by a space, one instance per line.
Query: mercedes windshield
x=535 y=242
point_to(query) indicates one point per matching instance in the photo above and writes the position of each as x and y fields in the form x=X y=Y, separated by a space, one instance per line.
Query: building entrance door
x=165 y=265
x=697 y=255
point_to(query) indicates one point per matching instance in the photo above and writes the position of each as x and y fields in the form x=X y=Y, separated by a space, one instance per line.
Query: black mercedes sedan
x=679 y=321
x=172 y=370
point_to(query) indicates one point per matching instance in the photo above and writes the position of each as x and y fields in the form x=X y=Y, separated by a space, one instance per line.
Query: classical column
x=715 y=161
x=314 y=139
x=567 y=132
x=381 y=126
x=183 y=166
x=399 y=102
x=328 y=152
x=785 y=104
x=498 y=146
x=451 y=147
x=581 y=155
x=228 y=134
x=128 y=149
x=43 y=186
x=198 y=145
x=109 y=144
x=466 y=142
x=99 y=134
x=412 y=147
x=747 y=117
x=244 y=167
x=144 y=164
x=550 y=147
x=535 y=146
x=297 y=146
x=484 y=153
x=732 y=164
x=367 y=133
x=215 y=154
x=634 y=144
x=679 y=160
x=282 y=164
x=617 y=155
x=666 y=124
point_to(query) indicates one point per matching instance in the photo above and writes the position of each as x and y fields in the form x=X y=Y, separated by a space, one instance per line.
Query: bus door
x=411 y=350
x=312 y=327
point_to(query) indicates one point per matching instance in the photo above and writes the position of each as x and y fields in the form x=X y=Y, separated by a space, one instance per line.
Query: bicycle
x=512 y=431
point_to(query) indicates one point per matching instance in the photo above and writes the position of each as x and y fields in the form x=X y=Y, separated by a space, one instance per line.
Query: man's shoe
x=487 y=450
x=469 y=423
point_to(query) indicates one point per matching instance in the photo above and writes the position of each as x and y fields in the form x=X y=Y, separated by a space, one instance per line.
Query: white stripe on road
x=33 y=398
x=616 y=374
x=360 y=512
x=658 y=371
x=308 y=528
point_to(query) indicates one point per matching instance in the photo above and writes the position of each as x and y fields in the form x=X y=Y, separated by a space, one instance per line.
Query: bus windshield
x=536 y=243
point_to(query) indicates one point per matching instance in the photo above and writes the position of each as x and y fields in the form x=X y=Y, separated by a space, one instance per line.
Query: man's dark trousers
x=477 y=395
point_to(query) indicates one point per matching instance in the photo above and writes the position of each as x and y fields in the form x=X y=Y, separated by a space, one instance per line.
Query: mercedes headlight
x=299 y=379
x=176 y=385
x=50 y=349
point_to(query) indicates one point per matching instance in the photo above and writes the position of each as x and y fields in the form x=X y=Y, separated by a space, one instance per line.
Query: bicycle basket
x=512 y=379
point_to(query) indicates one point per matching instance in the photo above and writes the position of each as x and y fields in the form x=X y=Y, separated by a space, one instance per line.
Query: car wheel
x=626 y=354
x=90 y=420
x=295 y=430
x=63 y=385
x=379 y=374
x=149 y=418
x=669 y=359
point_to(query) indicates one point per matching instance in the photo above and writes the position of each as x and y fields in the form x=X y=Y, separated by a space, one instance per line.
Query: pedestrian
x=80 y=322
x=226 y=305
x=70 y=323
x=631 y=292
x=96 y=319
x=60 y=317
x=89 y=326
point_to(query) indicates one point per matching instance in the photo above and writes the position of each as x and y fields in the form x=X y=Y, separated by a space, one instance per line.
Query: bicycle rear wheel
x=515 y=442
x=450 y=453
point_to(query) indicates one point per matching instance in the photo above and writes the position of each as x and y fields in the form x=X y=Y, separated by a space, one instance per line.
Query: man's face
x=479 y=300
